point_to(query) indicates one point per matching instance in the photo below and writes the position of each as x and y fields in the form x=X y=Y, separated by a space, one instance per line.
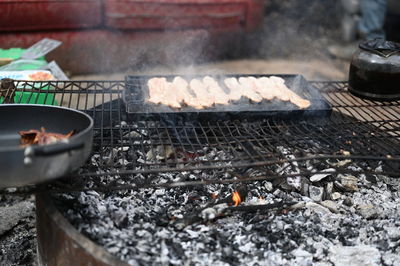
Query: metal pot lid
x=380 y=47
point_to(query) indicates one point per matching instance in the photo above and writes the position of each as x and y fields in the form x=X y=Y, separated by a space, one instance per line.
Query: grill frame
x=364 y=117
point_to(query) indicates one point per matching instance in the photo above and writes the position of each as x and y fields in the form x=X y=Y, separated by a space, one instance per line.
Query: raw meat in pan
x=280 y=88
x=291 y=95
x=184 y=95
x=270 y=86
x=163 y=92
x=201 y=93
x=300 y=102
x=171 y=96
x=247 y=88
x=214 y=89
x=156 y=89
x=262 y=87
x=180 y=86
x=235 y=89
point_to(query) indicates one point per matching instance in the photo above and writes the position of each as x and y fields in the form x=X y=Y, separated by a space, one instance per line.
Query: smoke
x=168 y=49
x=290 y=29
x=297 y=29
x=170 y=35
x=182 y=52
x=188 y=48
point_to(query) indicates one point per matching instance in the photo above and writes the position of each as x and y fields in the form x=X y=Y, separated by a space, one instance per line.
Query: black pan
x=38 y=163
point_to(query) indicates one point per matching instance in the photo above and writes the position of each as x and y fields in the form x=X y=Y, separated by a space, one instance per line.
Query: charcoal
x=387 y=180
x=368 y=211
x=316 y=193
x=391 y=259
x=120 y=218
x=302 y=257
x=18 y=236
x=316 y=208
x=154 y=224
x=328 y=190
x=341 y=163
x=11 y=215
x=356 y=255
x=209 y=214
x=393 y=233
x=335 y=196
x=299 y=205
x=349 y=182
x=305 y=188
x=319 y=177
x=268 y=186
x=331 y=205
x=348 y=202
x=371 y=178
x=339 y=187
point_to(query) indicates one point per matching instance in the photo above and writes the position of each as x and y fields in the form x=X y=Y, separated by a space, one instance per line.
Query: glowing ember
x=236 y=198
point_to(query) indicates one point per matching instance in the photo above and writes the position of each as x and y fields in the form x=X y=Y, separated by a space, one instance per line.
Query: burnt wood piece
x=222 y=211
x=260 y=207
x=196 y=215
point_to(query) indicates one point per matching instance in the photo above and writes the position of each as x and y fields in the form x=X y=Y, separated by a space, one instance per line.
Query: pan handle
x=52 y=149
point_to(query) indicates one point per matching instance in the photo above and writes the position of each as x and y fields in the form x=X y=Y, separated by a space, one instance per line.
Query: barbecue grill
x=357 y=129
x=125 y=150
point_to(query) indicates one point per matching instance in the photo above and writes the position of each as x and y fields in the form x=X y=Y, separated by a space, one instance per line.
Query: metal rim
x=374 y=96
x=72 y=138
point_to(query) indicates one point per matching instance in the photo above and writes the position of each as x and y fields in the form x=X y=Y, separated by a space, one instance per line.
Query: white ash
x=137 y=226
x=291 y=168
x=335 y=210
x=319 y=177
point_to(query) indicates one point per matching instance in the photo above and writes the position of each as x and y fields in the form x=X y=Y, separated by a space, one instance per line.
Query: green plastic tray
x=28 y=97
x=34 y=97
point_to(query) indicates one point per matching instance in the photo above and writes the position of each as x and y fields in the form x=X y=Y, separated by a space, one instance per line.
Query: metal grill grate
x=357 y=129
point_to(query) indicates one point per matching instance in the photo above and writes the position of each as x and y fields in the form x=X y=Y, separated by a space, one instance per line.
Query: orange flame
x=236 y=198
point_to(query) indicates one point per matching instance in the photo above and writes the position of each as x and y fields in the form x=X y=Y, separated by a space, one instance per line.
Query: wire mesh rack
x=357 y=129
